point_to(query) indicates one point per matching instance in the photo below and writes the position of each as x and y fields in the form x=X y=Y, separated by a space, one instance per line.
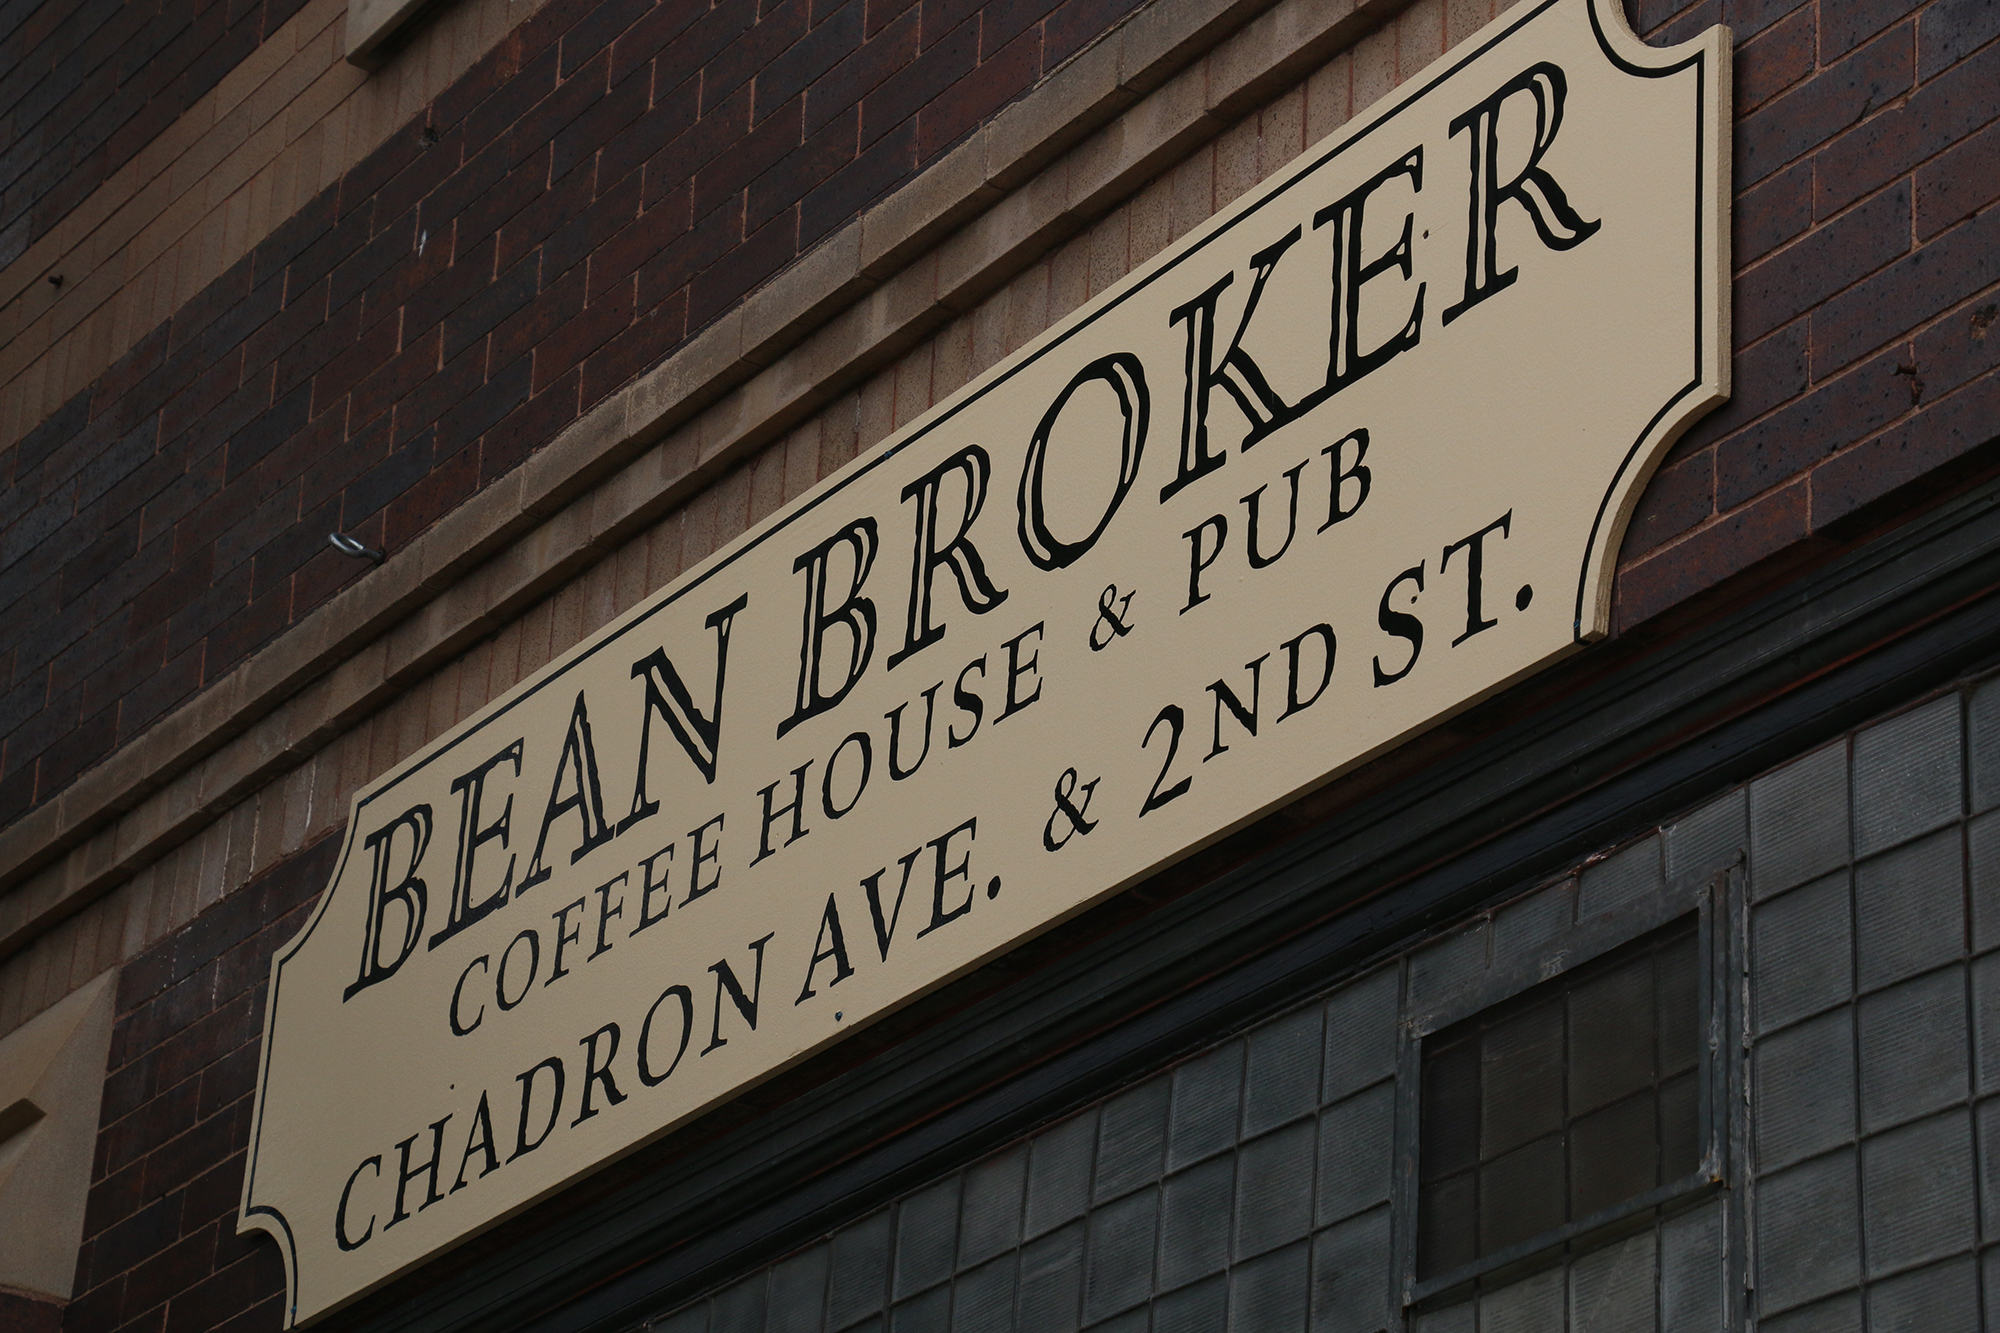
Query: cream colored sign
x=1350 y=457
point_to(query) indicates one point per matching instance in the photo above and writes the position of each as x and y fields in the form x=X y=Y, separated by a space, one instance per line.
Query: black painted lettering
x=1533 y=188
x=340 y=1213
x=829 y=944
x=1196 y=562
x=1475 y=572
x=946 y=873
x=706 y=852
x=1254 y=503
x=408 y=893
x=1346 y=362
x=1225 y=697
x=796 y=807
x=534 y=943
x=605 y=911
x=648 y=886
x=958 y=554
x=485 y=964
x=1126 y=378
x=1234 y=372
x=746 y=1004
x=896 y=770
x=578 y=765
x=866 y=748
x=1017 y=669
x=598 y=1071
x=479 y=1137
x=885 y=927
x=668 y=697
x=564 y=935
x=854 y=613
x=645 y=1052
x=428 y=1169
x=471 y=788
x=1294 y=701
x=966 y=702
x=1336 y=512
x=1401 y=624
x=554 y=1065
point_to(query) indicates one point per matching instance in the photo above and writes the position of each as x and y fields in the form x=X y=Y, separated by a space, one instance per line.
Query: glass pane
x=1522 y=1080
x=1613 y=1155
x=1611 y=1036
x=1451 y=1109
x=1521 y=1194
x=1680 y=1004
x=1680 y=1128
x=1447 y=1231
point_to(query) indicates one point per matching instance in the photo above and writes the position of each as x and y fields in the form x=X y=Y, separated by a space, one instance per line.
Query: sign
x=1354 y=455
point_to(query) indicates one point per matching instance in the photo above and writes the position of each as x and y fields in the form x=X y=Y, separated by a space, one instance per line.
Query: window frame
x=1715 y=899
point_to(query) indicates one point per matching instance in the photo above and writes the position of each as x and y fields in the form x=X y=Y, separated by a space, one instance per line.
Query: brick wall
x=84 y=84
x=160 y=1249
x=1867 y=256
x=602 y=184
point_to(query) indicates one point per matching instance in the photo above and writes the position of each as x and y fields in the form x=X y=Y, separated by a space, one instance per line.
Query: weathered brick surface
x=1868 y=273
x=160 y=1249
x=608 y=180
x=85 y=84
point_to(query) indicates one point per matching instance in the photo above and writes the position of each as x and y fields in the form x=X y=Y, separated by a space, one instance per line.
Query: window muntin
x=1576 y=1096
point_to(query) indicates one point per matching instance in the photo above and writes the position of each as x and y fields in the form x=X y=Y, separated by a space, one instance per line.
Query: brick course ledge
x=1171 y=77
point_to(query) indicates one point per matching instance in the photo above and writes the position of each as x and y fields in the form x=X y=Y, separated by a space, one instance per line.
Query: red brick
x=589 y=330
x=1946 y=270
x=671 y=115
x=1947 y=439
x=1959 y=183
x=527 y=428
x=778 y=27
x=643 y=344
x=1887 y=145
x=442 y=489
x=1775 y=59
x=650 y=35
x=999 y=79
x=394 y=379
x=924 y=79
x=1809 y=429
x=844 y=85
x=860 y=183
x=348 y=367
x=1726 y=547
x=1788 y=127
x=743 y=269
x=1826 y=261
x=1678 y=497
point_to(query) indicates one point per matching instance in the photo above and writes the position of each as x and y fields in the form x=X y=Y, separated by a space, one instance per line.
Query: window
x=1574 y=1103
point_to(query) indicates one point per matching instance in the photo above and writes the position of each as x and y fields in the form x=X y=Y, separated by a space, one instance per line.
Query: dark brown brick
x=1939 y=274
x=1887 y=145
x=1798 y=122
x=1831 y=258
x=1809 y=429
x=959 y=109
x=862 y=73
x=1776 y=58
x=1918 y=457
x=1959 y=182
x=1726 y=547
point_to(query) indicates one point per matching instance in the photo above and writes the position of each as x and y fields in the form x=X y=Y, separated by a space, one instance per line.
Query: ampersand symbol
x=1068 y=809
x=1110 y=617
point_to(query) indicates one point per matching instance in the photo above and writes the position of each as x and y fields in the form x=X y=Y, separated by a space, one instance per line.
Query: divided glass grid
x=1574 y=1097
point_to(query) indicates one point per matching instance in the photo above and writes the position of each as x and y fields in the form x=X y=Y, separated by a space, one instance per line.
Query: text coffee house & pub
x=889 y=666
